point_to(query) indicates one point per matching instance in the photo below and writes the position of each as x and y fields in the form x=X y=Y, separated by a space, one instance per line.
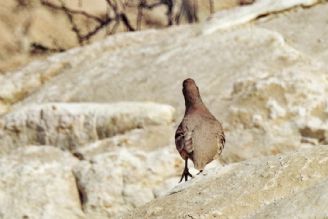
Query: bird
x=200 y=136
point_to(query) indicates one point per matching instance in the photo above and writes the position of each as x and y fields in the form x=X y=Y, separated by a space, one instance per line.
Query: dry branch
x=115 y=15
x=38 y=48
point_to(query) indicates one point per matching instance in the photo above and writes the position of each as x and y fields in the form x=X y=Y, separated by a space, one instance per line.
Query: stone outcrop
x=295 y=28
x=118 y=145
x=69 y=126
x=38 y=182
x=240 y=15
x=279 y=186
x=121 y=179
x=260 y=87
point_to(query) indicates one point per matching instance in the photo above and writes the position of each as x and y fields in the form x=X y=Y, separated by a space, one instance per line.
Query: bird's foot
x=185 y=174
x=200 y=172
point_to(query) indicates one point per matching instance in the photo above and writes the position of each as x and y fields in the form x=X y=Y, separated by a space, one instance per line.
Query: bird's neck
x=193 y=101
x=195 y=106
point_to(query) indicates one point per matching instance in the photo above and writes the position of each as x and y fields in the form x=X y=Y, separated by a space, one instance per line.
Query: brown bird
x=200 y=136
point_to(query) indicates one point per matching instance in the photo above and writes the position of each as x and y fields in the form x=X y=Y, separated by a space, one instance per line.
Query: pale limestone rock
x=148 y=139
x=37 y=182
x=270 y=96
x=282 y=186
x=275 y=101
x=241 y=73
x=239 y=15
x=305 y=30
x=19 y=84
x=310 y=203
x=72 y=125
x=117 y=181
x=113 y=73
x=16 y=86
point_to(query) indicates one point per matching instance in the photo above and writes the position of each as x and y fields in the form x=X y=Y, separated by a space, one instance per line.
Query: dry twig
x=115 y=15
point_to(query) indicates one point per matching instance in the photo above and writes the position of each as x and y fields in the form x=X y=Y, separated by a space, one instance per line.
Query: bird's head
x=190 y=92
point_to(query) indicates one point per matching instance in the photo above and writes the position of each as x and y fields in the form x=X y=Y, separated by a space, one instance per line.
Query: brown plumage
x=200 y=136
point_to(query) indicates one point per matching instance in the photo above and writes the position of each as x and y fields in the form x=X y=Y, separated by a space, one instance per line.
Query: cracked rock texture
x=122 y=179
x=68 y=125
x=259 y=86
x=239 y=15
x=282 y=186
x=114 y=106
x=295 y=28
x=38 y=182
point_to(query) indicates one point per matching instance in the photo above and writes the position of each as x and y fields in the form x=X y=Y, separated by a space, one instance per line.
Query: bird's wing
x=219 y=133
x=183 y=139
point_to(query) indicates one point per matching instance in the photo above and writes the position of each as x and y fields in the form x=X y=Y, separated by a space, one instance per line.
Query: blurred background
x=31 y=29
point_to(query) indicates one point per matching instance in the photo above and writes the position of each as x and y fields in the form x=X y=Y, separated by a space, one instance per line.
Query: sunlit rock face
x=240 y=15
x=262 y=89
x=69 y=126
x=38 y=182
x=281 y=186
x=121 y=179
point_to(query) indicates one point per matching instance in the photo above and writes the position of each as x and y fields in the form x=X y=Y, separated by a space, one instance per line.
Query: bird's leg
x=185 y=172
x=200 y=172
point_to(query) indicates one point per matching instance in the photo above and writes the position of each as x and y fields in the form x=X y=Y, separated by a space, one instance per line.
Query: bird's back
x=208 y=140
x=207 y=137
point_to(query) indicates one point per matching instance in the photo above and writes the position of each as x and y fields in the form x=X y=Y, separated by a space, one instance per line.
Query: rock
x=37 y=182
x=294 y=26
x=280 y=106
x=117 y=181
x=69 y=126
x=290 y=185
x=309 y=203
x=240 y=15
x=149 y=138
x=268 y=91
x=264 y=91
x=21 y=83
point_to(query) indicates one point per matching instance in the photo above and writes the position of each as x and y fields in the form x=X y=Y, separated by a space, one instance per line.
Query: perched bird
x=200 y=136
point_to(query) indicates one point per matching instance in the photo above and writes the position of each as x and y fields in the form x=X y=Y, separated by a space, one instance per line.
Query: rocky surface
x=300 y=204
x=266 y=81
x=240 y=15
x=38 y=182
x=69 y=126
x=295 y=28
x=122 y=179
x=266 y=93
x=280 y=186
